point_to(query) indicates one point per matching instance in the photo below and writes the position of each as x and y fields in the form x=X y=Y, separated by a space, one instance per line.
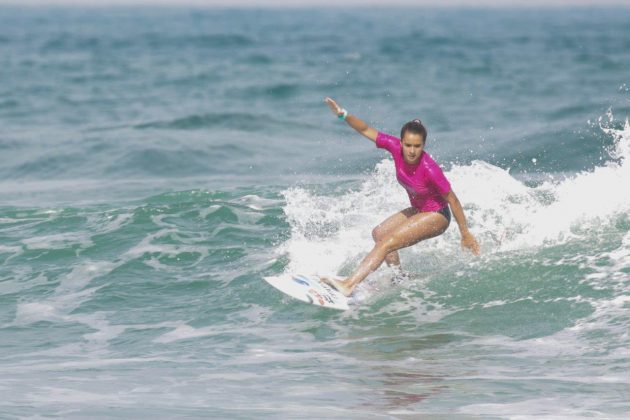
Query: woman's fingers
x=471 y=244
x=333 y=105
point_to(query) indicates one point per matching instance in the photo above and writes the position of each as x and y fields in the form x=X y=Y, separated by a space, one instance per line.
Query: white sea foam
x=555 y=407
x=93 y=361
x=27 y=313
x=326 y=231
x=256 y=202
x=108 y=223
x=58 y=241
x=82 y=274
x=185 y=331
x=146 y=246
x=70 y=294
x=14 y=251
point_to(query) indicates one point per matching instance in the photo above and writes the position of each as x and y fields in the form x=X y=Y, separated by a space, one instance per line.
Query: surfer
x=430 y=195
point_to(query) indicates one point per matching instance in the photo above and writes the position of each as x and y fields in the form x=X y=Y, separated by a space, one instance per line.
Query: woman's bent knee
x=388 y=245
x=376 y=234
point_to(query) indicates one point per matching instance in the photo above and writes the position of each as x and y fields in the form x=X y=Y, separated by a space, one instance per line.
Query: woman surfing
x=430 y=196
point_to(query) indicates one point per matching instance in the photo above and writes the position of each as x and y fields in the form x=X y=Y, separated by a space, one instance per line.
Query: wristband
x=343 y=115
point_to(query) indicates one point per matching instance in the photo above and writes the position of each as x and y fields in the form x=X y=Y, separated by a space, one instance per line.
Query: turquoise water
x=157 y=163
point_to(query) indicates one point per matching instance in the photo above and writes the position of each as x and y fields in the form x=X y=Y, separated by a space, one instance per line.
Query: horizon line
x=332 y=4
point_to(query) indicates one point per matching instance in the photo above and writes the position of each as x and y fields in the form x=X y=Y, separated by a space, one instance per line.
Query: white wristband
x=343 y=115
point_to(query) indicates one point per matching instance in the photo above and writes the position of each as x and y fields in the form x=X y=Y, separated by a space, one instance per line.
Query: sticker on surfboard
x=309 y=289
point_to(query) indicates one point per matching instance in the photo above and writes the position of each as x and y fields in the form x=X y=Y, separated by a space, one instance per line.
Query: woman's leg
x=418 y=227
x=389 y=225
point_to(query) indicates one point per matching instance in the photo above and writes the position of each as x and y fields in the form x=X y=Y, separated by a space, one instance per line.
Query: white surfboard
x=309 y=289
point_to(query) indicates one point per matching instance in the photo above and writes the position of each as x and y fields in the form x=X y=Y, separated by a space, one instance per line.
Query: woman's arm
x=468 y=240
x=354 y=122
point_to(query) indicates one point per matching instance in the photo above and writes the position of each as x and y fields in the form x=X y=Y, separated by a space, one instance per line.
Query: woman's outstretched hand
x=334 y=106
x=469 y=242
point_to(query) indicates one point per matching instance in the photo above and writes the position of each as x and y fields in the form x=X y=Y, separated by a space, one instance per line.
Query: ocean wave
x=235 y=120
x=47 y=165
x=71 y=41
x=160 y=161
x=68 y=41
x=9 y=104
x=274 y=91
x=328 y=232
x=217 y=41
x=258 y=59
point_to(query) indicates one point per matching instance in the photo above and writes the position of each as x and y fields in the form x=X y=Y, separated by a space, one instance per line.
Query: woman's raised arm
x=354 y=122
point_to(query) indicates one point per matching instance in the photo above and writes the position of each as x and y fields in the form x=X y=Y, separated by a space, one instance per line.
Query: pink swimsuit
x=424 y=181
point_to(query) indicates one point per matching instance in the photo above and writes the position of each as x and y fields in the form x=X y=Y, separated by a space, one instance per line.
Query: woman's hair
x=416 y=127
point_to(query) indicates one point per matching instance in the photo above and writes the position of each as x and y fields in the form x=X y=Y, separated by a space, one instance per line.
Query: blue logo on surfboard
x=301 y=281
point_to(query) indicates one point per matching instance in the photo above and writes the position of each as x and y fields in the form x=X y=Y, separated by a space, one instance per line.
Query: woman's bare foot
x=338 y=285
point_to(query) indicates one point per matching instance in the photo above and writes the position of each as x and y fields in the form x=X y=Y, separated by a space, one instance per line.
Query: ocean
x=157 y=163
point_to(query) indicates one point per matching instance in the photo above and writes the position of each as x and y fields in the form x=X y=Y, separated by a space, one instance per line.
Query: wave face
x=157 y=163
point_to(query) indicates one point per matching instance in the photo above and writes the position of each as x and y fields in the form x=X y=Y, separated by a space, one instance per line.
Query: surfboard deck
x=309 y=289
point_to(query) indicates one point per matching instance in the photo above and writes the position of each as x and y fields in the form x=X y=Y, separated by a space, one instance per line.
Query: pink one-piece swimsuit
x=424 y=181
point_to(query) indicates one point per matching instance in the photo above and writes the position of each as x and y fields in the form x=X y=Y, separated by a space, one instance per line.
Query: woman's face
x=412 y=145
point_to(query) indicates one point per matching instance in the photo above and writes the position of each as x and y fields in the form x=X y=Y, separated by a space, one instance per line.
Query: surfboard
x=309 y=289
